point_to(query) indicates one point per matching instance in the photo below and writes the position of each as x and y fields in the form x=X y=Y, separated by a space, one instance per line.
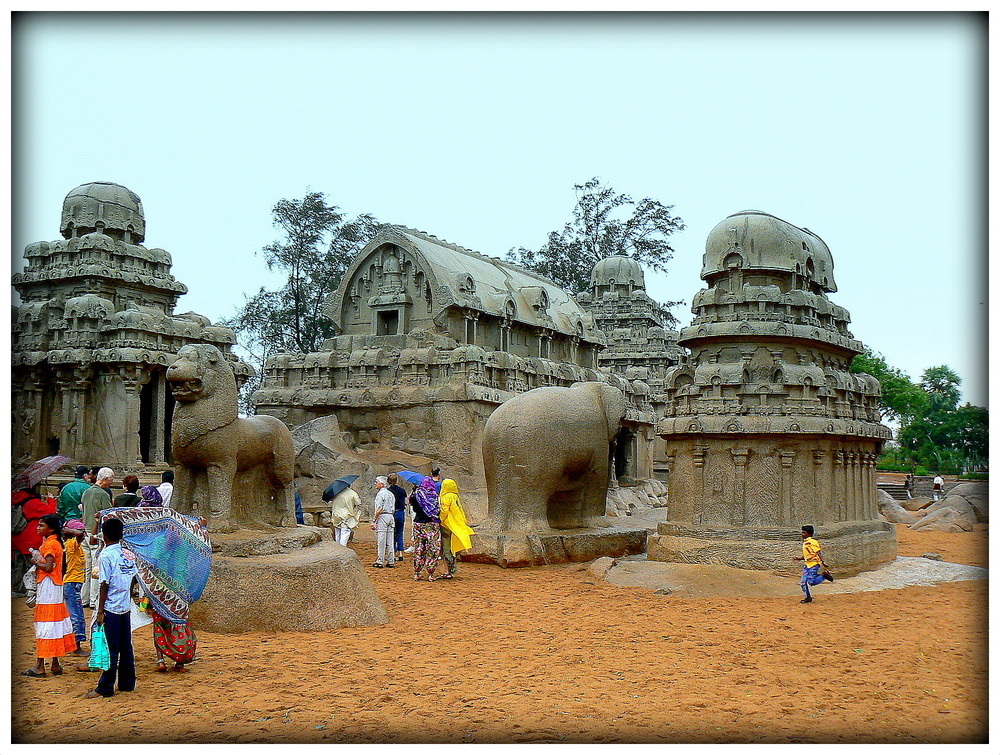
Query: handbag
x=100 y=656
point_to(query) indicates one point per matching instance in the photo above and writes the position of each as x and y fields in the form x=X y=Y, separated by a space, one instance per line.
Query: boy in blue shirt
x=118 y=579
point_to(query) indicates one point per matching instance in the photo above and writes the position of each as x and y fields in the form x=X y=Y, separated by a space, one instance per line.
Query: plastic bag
x=139 y=618
x=100 y=656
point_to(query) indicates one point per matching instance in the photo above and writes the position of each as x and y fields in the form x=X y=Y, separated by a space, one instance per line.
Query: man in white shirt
x=384 y=522
x=938 y=487
x=166 y=487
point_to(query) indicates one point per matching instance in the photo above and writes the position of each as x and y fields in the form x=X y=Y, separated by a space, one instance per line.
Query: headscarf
x=427 y=497
x=150 y=496
x=75 y=524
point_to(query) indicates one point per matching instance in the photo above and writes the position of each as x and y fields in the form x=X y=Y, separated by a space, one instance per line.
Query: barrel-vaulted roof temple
x=750 y=414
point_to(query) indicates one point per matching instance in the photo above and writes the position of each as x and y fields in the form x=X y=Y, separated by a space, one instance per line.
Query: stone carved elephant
x=547 y=455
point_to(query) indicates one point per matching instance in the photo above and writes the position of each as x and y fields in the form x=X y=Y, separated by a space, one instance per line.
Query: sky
x=869 y=129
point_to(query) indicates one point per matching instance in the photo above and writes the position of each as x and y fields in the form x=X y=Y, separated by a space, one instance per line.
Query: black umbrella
x=339 y=486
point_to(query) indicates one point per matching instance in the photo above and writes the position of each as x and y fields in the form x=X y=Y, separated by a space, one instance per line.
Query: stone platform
x=290 y=580
x=849 y=548
x=513 y=549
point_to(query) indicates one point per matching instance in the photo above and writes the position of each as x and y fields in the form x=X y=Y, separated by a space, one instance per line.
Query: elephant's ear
x=613 y=400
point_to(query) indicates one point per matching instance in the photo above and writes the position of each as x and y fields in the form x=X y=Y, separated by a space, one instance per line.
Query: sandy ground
x=553 y=654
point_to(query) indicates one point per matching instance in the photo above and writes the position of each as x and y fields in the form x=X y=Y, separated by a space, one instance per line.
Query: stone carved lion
x=233 y=471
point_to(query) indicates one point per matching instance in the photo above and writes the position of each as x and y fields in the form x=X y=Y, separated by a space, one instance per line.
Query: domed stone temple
x=94 y=334
x=766 y=429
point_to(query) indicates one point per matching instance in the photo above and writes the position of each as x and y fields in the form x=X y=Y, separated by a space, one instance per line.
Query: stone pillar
x=839 y=490
x=133 y=377
x=699 y=454
x=786 y=511
x=157 y=441
x=740 y=485
x=818 y=510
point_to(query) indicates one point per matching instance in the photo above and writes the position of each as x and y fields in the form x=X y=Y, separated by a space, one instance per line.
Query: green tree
x=605 y=223
x=318 y=243
x=902 y=399
x=942 y=387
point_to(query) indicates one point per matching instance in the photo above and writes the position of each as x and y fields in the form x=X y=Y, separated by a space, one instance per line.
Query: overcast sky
x=869 y=129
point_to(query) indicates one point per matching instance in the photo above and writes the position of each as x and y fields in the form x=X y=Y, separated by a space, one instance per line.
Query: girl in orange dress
x=53 y=628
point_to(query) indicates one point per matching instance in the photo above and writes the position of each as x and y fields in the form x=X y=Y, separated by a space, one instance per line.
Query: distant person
x=25 y=536
x=166 y=488
x=131 y=495
x=53 y=627
x=384 y=523
x=456 y=534
x=118 y=579
x=436 y=475
x=812 y=554
x=70 y=495
x=399 y=514
x=938 y=486
x=73 y=534
x=300 y=516
x=426 y=528
x=150 y=496
x=345 y=514
x=908 y=485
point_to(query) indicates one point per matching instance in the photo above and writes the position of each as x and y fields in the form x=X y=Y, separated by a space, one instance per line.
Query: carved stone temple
x=94 y=334
x=765 y=427
x=432 y=338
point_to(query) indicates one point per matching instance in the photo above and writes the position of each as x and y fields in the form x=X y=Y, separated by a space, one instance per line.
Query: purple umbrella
x=39 y=471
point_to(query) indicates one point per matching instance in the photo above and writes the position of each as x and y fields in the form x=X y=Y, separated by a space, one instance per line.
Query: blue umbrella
x=339 y=486
x=414 y=478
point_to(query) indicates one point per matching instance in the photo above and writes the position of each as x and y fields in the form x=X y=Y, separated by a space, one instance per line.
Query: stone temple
x=434 y=336
x=94 y=334
x=765 y=427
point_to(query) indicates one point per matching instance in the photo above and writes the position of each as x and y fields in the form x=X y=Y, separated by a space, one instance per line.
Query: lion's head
x=200 y=371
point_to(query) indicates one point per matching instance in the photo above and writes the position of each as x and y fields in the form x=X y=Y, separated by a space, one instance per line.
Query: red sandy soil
x=551 y=654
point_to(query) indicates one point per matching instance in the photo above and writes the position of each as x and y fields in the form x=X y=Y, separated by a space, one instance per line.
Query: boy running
x=812 y=554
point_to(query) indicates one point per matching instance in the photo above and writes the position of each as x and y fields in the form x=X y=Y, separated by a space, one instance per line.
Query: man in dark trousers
x=399 y=514
x=114 y=604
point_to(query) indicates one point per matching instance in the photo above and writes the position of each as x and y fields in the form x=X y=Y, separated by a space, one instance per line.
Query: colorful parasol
x=39 y=471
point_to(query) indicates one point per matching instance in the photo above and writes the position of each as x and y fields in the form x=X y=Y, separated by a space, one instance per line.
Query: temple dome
x=618 y=271
x=106 y=206
x=754 y=240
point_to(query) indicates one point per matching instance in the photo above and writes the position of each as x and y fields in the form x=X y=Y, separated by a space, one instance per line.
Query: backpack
x=17 y=520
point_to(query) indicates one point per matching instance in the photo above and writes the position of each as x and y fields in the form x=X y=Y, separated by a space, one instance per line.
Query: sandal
x=377 y=566
x=161 y=667
x=432 y=578
x=32 y=673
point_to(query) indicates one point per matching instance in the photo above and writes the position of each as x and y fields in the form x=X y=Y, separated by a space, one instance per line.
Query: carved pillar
x=739 y=513
x=786 y=513
x=821 y=487
x=28 y=429
x=157 y=440
x=700 y=453
x=133 y=377
x=838 y=488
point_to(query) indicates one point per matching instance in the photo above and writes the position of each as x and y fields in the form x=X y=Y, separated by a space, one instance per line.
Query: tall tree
x=605 y=223
x=902 y=399
x=318 y=243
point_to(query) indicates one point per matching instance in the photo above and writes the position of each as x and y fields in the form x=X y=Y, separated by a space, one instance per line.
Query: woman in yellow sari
x=456 y=534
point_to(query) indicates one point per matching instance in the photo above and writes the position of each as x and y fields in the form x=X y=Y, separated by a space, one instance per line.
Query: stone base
x=849 y=548
x=511 y=549
x=296 y=580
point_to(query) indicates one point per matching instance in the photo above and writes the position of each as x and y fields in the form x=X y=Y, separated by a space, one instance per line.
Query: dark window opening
x=624 y=458
x=388 y=323
x=52 y=446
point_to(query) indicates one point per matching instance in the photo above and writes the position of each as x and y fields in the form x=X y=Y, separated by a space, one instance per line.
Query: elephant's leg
x=565 y=509
x=594 y=496
x=220 y=495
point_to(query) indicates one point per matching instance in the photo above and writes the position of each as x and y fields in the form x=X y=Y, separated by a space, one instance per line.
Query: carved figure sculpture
x=231 y=470
x=547 y=456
